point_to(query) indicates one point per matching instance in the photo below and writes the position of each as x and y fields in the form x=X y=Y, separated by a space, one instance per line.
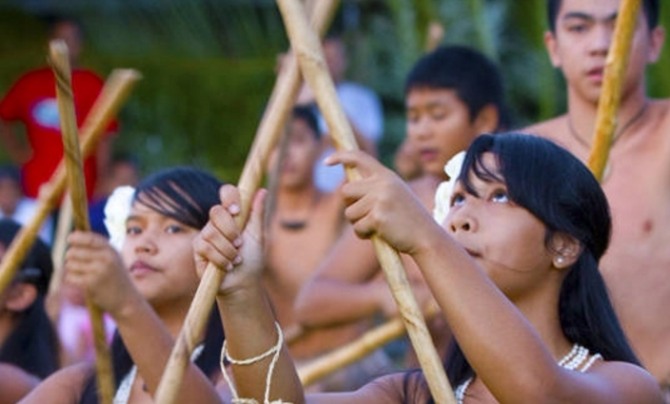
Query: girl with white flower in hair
x=147 y=288
x=514 y=268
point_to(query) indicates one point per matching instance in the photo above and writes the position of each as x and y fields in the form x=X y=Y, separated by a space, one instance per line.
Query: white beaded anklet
x=274 y=351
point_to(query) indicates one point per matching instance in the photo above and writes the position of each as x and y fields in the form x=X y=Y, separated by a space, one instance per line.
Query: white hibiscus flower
x=446 y=188
x=117 y=210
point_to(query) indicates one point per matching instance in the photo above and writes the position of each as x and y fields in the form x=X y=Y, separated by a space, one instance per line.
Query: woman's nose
x=460 y=220
x=145 y=244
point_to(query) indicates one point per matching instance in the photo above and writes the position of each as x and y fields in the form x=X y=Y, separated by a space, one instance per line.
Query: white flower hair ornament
x=117 y=210
x=446 y=188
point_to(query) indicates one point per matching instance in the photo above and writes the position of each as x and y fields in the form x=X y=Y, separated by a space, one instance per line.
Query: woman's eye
x=174 y=228
x=133 y=230
x=500 y=197
x=457 y=199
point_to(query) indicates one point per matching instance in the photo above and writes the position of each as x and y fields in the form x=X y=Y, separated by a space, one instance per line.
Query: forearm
x=325 y=302
x=251 y=331
x=150 y=345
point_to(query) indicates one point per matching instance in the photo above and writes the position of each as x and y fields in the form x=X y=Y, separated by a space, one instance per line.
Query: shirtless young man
x=303 y=226
x=452 y=95
x=637 y=182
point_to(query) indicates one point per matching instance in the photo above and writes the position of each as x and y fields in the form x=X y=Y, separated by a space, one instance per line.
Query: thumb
x=255 y=223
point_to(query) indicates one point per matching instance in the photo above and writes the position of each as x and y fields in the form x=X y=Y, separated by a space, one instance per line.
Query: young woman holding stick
x=147 y=290
x=513 y=268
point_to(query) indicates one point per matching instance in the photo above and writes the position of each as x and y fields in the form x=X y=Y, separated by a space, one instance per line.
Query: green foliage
x=208 y=65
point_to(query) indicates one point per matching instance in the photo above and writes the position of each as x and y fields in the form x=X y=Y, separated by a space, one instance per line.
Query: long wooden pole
x=60 y=64
x=358 y=349
x=271 y=126
x=610 y=97
x=106 y=106
x=306 y=45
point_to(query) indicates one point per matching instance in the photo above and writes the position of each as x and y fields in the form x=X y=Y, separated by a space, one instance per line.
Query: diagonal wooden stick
x=116 y=89
x=610 y=98
x=310 y=55
x=60 y=64
x=271 y=125
x=356 y=350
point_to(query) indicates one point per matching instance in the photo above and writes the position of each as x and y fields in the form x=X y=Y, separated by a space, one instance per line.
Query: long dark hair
x=185 y=194
x=33 y=344
x=560 y=191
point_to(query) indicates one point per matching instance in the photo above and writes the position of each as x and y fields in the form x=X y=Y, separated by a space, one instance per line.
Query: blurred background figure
x=29 y=349
x=361 y=105
x=14 y=205
x=31 y=102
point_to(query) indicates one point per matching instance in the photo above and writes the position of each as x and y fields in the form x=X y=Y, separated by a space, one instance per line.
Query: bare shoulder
x=628 y=383
x=550 y=129
x=64 y=386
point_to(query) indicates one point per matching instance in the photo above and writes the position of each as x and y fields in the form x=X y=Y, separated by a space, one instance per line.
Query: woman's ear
x=20 y=296
x=566 y=250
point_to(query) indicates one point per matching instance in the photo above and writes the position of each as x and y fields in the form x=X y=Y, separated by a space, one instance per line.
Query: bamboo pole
x=60 y=64
x=116 y=90
x=271 y=126
x=310 y=56
x=610 y=98
x=358 y=349
x=63 y=228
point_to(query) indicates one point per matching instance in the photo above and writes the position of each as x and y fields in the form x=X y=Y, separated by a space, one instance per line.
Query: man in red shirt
x=32 y=101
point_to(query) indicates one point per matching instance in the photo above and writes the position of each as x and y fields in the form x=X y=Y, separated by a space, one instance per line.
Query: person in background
x=452 y=95
x=637 y=178
x=31 y=101
x=29 y=346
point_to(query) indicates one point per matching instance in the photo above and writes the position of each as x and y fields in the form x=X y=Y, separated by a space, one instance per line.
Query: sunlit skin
x=637 y=180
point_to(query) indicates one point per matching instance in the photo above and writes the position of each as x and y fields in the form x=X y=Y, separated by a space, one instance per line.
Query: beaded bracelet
x=274 y=351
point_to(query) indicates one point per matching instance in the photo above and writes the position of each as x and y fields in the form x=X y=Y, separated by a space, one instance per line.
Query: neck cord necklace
x=616 y=136
x=577 y=359
x=299 y=224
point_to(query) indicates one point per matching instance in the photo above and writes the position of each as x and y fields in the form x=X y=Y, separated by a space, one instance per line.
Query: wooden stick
x=358 y=349
x=271 y=125
x=116 y=90
x=610 y=98
x=60 y=63
x=63 y=228
x=310 y=56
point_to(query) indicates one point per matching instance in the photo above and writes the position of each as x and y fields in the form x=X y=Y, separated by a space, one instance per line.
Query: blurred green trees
x=208 y=66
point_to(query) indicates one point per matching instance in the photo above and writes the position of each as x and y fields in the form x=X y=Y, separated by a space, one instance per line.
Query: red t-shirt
x=32 y=100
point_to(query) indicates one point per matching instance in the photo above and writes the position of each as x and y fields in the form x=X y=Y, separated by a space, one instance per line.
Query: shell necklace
x=578 y=359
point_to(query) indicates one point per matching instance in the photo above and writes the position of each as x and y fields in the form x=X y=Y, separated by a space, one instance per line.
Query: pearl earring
x=559 y=261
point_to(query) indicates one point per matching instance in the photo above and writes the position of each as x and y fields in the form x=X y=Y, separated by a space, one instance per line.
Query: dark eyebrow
x=587 y=17
x=132 y=217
